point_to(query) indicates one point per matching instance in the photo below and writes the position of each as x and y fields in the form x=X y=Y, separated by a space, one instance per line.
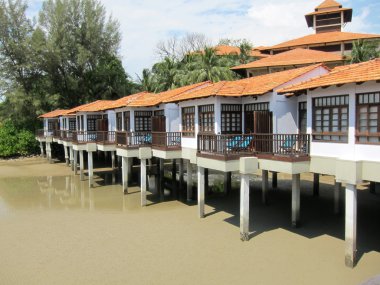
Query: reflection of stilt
x=75 y=162
x=295 y=199
x=81 y=165
x=91 y=199
x=244 y=207
x=201 y=192
x=143 y=182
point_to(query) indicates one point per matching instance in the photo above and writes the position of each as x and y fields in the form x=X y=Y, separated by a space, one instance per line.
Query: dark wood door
x=263 y=126
x=159 y=124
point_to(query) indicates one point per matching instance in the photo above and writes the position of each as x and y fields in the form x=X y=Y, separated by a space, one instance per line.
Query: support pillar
x=350 y=225
x=75 y=162
x=71 y=158
x=227 y=183
x=337 y=188
x=264 y=181
x=181 y=182
x=66 y=156
x=90 y=170
x=143 y=182
x=124 y=173
x=42 y=149
x=162 y=179
x=174 y=179
x=189 y=180
x=201 y=191
x=113 y=159
x=48 y=152
x=316 y=185
x=295 y=199
x=274 y=180
x=81 y=165
x=244 y=207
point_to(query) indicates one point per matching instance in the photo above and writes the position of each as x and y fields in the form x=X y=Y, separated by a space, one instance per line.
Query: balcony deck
x=281 y=147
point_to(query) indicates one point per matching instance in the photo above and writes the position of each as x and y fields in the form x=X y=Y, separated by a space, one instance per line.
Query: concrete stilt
x=75 y=162
x=113 y=160
x=372 y=187
x=90 y=170
x=201 y=191
x=71 y=152
x=162 y=179
x=174 y=179
x=264 y=181
x=316 y=185
x=181 y=181
x=189 y=170
x=124 y=173
x=42 y=149
x=81 y=165
x=66 y=156
x=244 y=207
x=337 y=188
x=143 y=182
x=350 y=225
x=227 y=183
x=206 y=179
x=130 y=164
x=296 y=193
x=274 y=180
x=48 y=152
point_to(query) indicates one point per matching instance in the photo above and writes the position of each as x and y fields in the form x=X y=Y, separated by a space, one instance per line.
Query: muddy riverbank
x=55 y=230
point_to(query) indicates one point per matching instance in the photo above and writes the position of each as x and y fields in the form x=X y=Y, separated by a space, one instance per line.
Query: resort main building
x=300 y=110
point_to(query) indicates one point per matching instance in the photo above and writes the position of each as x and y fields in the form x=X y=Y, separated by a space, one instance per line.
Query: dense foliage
x=364 y=50
x=14 y=142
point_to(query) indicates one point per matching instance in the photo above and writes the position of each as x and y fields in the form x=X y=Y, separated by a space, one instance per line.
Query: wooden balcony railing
x=106 y=137
x=166 y=140
x=232 y=146
x=41 y=133
x=133 y=139
x=67 y=136
x=56 y=134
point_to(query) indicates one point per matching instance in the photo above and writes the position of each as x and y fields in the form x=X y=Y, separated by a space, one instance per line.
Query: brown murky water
x=55 y=230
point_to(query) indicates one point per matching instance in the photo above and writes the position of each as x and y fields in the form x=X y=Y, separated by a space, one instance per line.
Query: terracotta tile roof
x=328 y=4
x=250 y=86
x=52 y=114
x=149 y=100
x=95 y=106
x=330 y=37
x=233 y=50
x=354 y=73
x=125 y=101
x=293 y=57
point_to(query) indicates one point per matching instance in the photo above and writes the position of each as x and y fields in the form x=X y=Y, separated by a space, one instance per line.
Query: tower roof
x=328 y=4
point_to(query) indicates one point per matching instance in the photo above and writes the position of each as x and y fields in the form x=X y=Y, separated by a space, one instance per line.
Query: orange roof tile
x=292 y=57
x=330 y=37
x=155 y=99
x=354 y=73
x=125 y=101
x=233 y=50
x=328 y=4
x=95 y=106
x=52 y=114
x=249 y=86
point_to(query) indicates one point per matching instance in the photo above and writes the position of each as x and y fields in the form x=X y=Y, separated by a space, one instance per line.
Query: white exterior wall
x=111 y=114
x=350 y=150
x=173 y=120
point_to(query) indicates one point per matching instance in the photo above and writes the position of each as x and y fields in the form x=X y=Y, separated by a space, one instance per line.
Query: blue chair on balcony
x=246 y=142
x=148 y=139
x=233 y=143
x=289 y=145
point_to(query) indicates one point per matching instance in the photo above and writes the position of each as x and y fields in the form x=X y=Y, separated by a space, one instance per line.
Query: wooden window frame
x=249 y=111
x=206 y=115
x=127 y=120
x=72 y=124
x=228 y=112
x=188 y=121
x=330 y=103
x=302 y=107
x=119 y=121
x=367 y=104
x=143 y=121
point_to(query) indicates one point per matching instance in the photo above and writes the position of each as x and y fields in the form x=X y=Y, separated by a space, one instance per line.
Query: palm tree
x=165 y=73
x=209 y=66
x=364 y=51
x=147 y=81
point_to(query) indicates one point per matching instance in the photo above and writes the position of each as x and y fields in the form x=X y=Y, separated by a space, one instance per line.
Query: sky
x=143 y=23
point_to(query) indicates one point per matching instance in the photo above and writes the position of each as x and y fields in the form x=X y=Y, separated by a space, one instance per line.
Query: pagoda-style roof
x=328 y=7
x=293 y=57
x=322 y=38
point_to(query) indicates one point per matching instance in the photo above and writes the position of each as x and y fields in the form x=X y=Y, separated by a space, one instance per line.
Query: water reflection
x=65 y=193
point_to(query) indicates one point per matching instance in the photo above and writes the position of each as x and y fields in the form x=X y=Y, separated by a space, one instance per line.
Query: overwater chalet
x=289 y=60
x=343 y=120
x=147 y=128
x=327 y=20
x=51 y=125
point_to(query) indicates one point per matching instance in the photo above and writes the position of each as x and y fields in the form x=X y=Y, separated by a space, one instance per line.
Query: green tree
x=147 y=81
x=364 y=50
